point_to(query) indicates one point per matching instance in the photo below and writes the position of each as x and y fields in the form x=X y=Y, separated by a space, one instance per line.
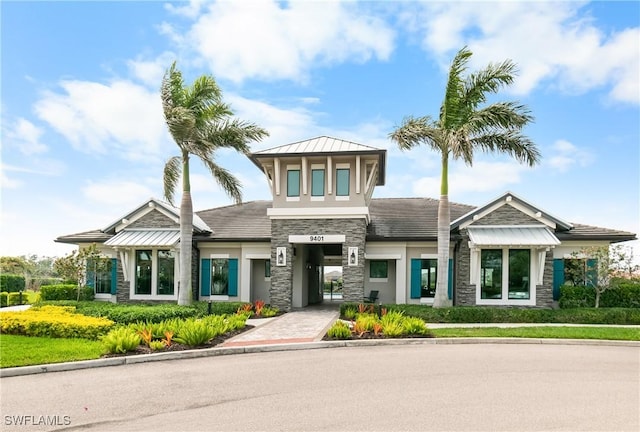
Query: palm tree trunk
x=442 y=282
x=186 y=236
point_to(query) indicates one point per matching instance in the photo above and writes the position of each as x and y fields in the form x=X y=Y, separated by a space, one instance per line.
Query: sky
x=84 y=141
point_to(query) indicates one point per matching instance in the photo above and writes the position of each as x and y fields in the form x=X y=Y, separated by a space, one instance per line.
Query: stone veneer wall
x=281 y=291
x=154 y=219
x=465 y=293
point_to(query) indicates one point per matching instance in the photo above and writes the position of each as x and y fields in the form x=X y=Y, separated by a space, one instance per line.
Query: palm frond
x=451 y=110
x=227 y=181
x=415 y=131
x=511 y=142
x=488 y=80
x=171 y=89
x=171 y=175
x=505 y=115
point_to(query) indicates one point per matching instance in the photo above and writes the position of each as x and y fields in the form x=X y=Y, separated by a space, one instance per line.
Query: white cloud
x=7 y=182
x=548 y=41
x=118 y=193
x=566 y=155
x=150 y=72
x=191 y=10
x=270 y=40
x=25 y=137
x=122 y=118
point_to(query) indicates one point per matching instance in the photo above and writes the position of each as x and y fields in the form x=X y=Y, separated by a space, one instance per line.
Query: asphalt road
x=386 y=388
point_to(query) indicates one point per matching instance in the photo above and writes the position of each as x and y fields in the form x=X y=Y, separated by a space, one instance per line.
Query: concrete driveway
x=383 y=388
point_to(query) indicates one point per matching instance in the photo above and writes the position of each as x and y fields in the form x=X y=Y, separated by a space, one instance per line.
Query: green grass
x=606 y=333
x=25 y=350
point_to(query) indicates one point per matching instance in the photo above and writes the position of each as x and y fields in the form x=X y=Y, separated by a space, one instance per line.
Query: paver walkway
x=308 y=325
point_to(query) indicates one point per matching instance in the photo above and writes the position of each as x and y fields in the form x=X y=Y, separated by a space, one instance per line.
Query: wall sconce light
x=308 y=265
x=281 y=256
x=353 y=256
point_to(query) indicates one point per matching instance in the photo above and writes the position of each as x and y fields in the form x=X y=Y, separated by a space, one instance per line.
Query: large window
x=428 y=273
x=220 y=276
x=155 y=272
x=317 y=182
x=166 y=272
x=293 y=183
x=143 y=272
x=378 y=269
x=505 y=274
x=342 y=182
x=99 y=275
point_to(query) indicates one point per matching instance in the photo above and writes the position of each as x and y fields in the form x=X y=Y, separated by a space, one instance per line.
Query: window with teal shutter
x=416 y=277
x=233 y=277
x=114 y=276
x=91 y=274
x=558 y=277
x=205 y=277
x=592 y=272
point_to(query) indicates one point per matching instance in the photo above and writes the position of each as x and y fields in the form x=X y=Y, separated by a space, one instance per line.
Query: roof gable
x=531 y=212
x=321 y=144
x=149 y=206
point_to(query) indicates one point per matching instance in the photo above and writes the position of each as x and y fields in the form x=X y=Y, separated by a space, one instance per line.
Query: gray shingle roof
x=392 y=219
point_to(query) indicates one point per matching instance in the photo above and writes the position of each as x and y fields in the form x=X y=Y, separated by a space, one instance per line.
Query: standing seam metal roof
x=322 y=144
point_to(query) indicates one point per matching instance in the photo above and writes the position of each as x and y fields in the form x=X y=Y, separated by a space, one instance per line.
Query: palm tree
x=200 y=123
x=464 y=126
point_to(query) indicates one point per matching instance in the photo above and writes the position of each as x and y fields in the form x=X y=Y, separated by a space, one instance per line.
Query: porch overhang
x=534 y=237
x=144 y=238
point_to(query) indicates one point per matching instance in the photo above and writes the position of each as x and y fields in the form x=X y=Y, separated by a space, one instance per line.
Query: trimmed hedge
x=54 y=321
x=65 y=292
x=4 y=296
x=622 y=294
x=11 y=282
x=480 y=314
x=17 y=298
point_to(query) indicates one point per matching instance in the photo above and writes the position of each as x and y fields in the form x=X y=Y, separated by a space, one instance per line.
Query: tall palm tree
x=465 y=125
x=200 y=123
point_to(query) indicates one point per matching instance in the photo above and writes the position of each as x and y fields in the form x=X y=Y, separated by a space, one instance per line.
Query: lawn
x=27 y=350
x=607 y=333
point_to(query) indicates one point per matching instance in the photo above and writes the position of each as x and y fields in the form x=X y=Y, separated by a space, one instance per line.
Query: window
x=342 y=182
x=428 y=277
x=505 y=274
x=99 y=275
x=317 y=182
x=378 y=269
x=166 y=272
x=293 y=183
x=220 y=276
x=143 y=272
x=155 y=272
x=267 y=268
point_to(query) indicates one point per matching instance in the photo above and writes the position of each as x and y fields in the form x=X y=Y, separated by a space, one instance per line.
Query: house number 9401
x=316 y=238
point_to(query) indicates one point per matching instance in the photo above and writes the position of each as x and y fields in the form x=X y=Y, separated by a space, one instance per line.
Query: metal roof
x=518 y=235
x=140 y=237
x=322 y=144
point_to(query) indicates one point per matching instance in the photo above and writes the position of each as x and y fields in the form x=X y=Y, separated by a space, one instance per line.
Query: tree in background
x=200 y=123
x=466 y=125
x=73 y=267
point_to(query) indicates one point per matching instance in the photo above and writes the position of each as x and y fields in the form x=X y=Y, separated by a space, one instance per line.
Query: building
x=508 y=252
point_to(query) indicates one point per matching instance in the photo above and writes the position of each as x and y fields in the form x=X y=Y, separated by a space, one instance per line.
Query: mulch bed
x=368 y=335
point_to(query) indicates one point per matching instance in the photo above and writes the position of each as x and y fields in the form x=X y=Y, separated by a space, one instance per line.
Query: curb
x=219 y=351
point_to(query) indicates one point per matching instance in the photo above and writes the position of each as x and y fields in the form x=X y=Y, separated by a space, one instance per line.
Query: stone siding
x=154 y=219
x=507 y=215
x=281 y=291
x=465 y=293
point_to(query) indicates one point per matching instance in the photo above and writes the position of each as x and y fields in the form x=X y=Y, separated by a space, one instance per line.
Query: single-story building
x=507 y=252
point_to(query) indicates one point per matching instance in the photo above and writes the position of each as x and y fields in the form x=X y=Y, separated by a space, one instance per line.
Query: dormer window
x=317 y=180
x=293 y=182
x=342 y=180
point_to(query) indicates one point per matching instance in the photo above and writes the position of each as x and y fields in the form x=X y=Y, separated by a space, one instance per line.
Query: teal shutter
x=114 y=276
x=205 y=277
x=558 y=277
x=450 y=288
x=592 y=272
x=91 y=274
x=416 y=278
x=233 y=277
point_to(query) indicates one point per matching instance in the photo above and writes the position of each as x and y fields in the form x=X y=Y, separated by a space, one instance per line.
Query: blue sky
x=84 y=141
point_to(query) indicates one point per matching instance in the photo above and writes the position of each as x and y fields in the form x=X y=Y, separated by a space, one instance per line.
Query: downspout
x=456 y=249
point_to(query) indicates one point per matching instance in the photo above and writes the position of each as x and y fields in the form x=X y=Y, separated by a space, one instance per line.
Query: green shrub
x=65 y=292
x=413 y=326
x=392 y=328
x=11 y=282
x=269 y=311
x=53 y=321
x=4 y=297
x=349 y=312
x=121 y=340
x=339 y=330
x=194 y=332
x=218 y=308
x=156 y=345
x=17 y=298
x=622 y=294
x=236 y=322
x=132 y=313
